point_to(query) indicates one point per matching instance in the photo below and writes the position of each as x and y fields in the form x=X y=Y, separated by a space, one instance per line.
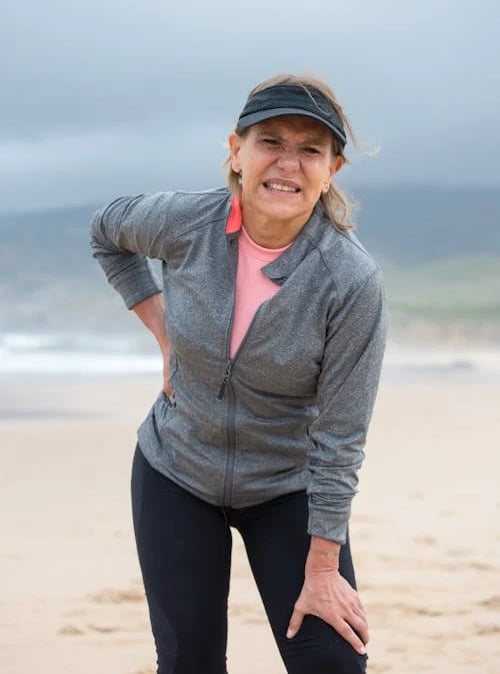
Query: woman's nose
x=288 y=159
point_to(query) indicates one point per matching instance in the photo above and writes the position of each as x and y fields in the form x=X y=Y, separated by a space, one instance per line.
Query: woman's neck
x=272 y=233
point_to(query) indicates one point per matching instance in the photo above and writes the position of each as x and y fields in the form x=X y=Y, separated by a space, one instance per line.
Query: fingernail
x=289 y=634
x=362 y=650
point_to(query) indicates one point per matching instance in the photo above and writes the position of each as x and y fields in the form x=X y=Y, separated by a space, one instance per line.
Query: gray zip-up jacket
x=291 y=409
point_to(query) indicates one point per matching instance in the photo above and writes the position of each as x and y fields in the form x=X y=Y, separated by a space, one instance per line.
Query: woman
x=271 y=323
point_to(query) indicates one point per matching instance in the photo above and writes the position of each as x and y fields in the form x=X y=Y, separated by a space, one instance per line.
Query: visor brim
x=263 y=115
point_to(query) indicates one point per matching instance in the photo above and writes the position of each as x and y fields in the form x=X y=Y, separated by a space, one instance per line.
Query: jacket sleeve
x=123 y=235
x=347 y=389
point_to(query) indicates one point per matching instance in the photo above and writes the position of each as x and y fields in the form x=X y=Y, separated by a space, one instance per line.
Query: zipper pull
x=227 y=374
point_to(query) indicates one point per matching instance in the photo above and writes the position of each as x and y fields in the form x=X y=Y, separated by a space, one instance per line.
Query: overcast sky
x=105 y=97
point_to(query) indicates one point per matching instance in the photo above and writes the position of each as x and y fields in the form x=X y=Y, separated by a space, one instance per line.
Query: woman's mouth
x=280 y=187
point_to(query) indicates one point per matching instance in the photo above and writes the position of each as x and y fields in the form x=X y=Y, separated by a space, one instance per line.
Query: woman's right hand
x=167 y=386
x=151 y=312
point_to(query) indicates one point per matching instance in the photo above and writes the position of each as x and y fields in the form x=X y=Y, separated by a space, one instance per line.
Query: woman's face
x=285 y=165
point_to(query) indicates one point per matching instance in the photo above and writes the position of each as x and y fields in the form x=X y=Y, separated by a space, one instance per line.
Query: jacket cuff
x=137 y=286
x=133 y=297
x=324 y=522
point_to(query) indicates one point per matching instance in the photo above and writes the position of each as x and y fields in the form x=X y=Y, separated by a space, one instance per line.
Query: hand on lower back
x=151 y=311
x=167 y=386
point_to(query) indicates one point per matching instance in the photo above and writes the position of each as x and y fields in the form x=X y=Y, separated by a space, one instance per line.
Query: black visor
x=292 y=99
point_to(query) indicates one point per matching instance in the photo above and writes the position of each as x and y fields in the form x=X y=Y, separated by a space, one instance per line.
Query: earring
x=240 y=178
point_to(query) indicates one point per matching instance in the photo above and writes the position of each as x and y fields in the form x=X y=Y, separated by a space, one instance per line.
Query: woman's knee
x=337 y=662
x=190 y=662
x=184 y=650
x=321 y=650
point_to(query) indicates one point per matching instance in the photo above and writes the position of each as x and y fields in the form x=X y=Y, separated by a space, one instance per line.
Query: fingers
x=168 y=391
x=354 y=626
x=347 y=632
x=295 y=623
x=333 y=600
x=167 y=386
x=360 y=626
x=359 y=622
x=353 y=629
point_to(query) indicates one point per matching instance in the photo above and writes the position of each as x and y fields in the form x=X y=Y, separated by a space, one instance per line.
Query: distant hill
x=439 y=248
x=408 y=226
x=404 y=225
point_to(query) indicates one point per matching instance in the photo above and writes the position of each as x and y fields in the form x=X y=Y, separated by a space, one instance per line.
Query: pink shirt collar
x=234 y=220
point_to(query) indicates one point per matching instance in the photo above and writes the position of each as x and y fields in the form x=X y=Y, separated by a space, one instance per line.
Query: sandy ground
x=424 y=531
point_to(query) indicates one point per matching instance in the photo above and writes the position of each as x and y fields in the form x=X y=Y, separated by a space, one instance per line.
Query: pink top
x=252 y=286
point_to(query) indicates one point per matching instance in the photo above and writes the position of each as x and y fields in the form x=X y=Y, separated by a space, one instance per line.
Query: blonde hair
x=336 y=204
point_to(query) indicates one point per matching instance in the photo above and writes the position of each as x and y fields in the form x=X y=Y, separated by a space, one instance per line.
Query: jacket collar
x=279 y=270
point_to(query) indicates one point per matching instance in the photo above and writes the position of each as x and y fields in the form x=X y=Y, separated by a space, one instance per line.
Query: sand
x=424 y=531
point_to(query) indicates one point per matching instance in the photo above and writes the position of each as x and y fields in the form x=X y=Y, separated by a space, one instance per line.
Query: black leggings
x=184 y=547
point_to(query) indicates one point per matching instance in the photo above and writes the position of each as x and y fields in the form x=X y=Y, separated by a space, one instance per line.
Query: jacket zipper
x=231 y=361
x=231 y=426
x=231 y=452
x=230 y=430
x=225 y=379
x=225 y=385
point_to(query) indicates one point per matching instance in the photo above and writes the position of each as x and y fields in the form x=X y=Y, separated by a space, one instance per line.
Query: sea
x=100 y=355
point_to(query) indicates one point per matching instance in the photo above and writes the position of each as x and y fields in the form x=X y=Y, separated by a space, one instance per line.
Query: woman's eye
x=272 y=142
x=311 y=150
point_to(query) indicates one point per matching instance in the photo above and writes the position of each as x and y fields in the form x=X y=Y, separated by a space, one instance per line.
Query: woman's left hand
x=327 y=595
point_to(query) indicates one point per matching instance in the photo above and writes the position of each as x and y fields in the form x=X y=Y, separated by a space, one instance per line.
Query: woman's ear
x=335 y=166
x=234 y=146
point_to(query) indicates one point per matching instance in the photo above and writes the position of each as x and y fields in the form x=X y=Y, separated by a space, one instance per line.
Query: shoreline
x=71 y=396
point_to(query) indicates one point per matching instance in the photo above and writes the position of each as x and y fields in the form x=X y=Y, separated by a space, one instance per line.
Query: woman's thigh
x=276 y=540
x=184 y=547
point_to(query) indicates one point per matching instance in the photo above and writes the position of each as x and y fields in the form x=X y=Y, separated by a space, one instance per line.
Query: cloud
x=90 y=88
x=95 y=167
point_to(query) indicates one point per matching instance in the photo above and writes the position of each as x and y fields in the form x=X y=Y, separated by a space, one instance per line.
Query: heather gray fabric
x=298 y=395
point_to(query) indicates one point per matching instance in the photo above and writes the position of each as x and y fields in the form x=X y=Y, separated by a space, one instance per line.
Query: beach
x=424 y=531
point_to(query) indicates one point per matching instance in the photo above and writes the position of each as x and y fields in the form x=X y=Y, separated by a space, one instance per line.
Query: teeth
x=281 y=188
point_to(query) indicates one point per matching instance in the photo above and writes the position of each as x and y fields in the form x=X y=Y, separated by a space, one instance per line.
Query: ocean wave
x=83 y=354
x=96 y=354
x=436 y=362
